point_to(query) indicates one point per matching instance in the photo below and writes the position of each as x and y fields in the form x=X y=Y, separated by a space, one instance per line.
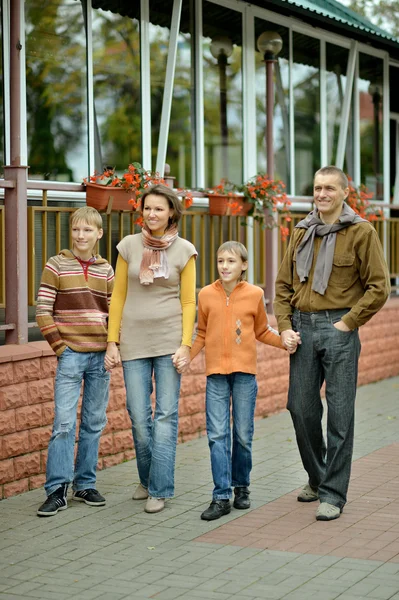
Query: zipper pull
x=227 y=300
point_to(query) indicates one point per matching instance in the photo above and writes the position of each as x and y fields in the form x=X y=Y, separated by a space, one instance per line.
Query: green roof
x=331 y=9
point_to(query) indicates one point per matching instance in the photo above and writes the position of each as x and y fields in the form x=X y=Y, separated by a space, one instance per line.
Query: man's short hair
x=331 y=170
x=89 y=215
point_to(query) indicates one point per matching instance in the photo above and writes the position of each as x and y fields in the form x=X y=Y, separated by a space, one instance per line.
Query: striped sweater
x=72 y=311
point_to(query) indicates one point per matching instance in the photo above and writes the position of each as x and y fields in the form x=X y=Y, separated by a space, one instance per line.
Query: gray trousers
x=326 y=354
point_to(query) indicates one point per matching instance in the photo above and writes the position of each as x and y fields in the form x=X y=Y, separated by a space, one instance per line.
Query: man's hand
x=341 y=326
x=112 y=357
x=290 y=340
x=181 y=359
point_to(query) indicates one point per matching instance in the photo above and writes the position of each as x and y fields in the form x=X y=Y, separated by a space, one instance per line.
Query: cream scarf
x=154 y=262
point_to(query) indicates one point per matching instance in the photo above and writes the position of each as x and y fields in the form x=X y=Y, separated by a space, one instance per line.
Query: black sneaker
x=90 y=497
x=241 y=498
x=216 y=509
x=55 y=502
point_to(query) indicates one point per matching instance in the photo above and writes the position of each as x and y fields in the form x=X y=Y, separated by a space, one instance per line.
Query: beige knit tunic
x=152 y=314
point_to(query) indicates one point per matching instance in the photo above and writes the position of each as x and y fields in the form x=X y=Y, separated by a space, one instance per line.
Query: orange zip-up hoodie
x=228 y=327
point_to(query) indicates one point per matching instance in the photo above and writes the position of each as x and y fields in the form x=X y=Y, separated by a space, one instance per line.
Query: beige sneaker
x=327 y=512
x=140 y=493
x=154 y=505
x=307 y=494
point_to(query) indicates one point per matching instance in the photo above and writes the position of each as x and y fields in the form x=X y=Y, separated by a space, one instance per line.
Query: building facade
x=95 y=83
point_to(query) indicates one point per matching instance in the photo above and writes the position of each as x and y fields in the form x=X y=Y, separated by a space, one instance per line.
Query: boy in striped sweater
x=72 y=313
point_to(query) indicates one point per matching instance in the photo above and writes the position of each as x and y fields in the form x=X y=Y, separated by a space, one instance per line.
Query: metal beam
x=343 y=130
x=168 y=87
x=95 y=160
x=199 y=164
x=145 y=84
x=291 y=164
x=323 y=106
x=249 y=120
x=15 y=200
x=386 y=132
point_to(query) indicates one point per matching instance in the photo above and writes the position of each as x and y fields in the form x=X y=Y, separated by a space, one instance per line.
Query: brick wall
x=26 y=399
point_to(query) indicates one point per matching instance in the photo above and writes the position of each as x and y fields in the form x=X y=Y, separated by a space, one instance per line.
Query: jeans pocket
x=66 y=352
x=339 y=331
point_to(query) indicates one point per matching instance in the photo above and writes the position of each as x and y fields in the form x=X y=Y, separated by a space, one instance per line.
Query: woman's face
x=156 y=213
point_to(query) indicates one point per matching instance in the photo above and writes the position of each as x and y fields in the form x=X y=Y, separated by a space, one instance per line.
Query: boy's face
x=230 y=268
x=84 y=239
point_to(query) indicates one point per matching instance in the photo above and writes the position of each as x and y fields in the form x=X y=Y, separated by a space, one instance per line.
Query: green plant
x=134 y=181
x=266 y=196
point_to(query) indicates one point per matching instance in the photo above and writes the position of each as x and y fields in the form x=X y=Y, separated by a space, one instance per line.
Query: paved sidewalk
x=274 y=551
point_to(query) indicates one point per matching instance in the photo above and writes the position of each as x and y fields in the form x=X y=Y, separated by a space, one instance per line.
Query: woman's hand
x=112 y=357
x=181 y=359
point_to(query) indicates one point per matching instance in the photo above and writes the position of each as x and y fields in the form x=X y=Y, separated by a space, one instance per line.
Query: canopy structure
x=327 y=14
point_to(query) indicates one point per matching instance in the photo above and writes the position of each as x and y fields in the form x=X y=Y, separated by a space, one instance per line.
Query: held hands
x=181 y=359
x=290 y=340
x=112 y=357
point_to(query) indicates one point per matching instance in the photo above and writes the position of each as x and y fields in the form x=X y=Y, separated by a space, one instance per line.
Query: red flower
x=139 y=221
x=359 y=200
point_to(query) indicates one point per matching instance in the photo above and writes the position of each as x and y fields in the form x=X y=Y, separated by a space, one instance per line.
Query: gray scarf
x=324 y=262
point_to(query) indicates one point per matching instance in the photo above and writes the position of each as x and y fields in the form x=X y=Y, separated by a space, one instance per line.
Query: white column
x=168 y=87
x=145 y=88
x=343 y=130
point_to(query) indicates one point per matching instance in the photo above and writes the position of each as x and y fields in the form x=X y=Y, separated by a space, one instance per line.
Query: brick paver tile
x=364 y=530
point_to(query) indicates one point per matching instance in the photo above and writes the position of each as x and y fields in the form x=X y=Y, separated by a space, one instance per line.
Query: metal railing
x=48 y=233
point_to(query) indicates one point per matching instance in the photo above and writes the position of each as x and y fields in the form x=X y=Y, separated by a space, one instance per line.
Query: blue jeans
x=326 y=354
x=73 y=368
x=155 y=438
x=231 y=467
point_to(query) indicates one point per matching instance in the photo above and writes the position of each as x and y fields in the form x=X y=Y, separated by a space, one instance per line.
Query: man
x=332 y=280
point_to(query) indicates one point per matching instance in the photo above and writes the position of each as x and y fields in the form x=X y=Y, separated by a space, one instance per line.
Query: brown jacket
x=359 y=279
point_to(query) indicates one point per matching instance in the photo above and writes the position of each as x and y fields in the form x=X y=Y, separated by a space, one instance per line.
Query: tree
x=384 y=13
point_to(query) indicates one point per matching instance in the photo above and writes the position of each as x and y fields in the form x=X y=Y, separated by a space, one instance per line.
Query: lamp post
x=269 y=44
x=221 y=48
x=375 y=93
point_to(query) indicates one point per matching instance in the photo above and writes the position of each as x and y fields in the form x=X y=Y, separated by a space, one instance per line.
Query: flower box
x=106 y=198
x=228 y=204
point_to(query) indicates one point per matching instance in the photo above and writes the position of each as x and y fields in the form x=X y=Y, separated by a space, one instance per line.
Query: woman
x=153 y=308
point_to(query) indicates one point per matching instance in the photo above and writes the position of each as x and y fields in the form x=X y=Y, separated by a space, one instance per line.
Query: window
x=371 y=129
x=116 y=86
x=306 y=85
x=223 y=115
x=56 y=90
x=281 y=134
x=337 y=62
x=179 y=146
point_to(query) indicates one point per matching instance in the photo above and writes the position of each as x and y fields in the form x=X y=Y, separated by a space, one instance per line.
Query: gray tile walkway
x=118 y=552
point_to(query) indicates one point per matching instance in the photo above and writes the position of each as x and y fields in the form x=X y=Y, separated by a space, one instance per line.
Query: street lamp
x=269 y=44
x=221 y=48
x=375 y=93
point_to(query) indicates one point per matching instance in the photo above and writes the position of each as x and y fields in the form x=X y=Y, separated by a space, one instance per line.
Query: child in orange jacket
x=231 y=317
